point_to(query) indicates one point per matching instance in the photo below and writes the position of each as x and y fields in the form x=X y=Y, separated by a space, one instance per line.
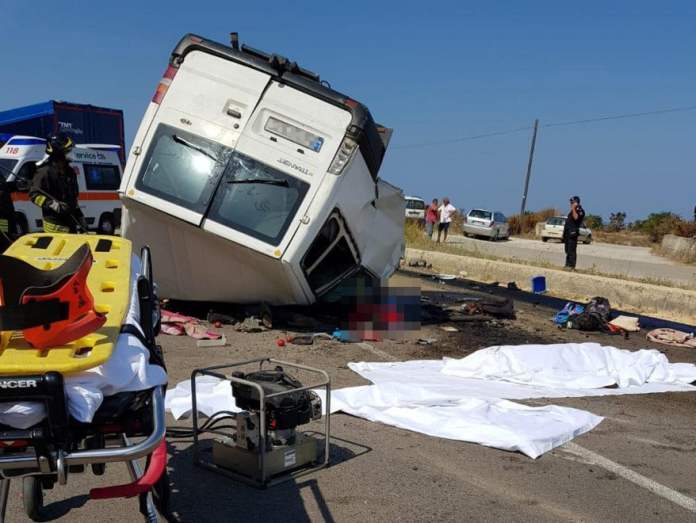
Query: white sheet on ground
x=128 y=369
x=501 y=424
x=571 y=366
x=212 y=395
x=491 y=373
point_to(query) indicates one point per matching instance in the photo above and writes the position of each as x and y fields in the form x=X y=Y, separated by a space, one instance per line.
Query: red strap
x=158 y=462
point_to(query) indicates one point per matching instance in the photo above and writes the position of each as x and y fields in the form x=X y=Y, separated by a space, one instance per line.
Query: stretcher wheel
x=32 y=497
x=96 y=442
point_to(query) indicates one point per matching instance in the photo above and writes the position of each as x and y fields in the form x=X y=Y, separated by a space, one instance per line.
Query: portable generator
x=266 y=446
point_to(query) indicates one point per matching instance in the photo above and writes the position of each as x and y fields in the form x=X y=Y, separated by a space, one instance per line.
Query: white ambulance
x=98 y=170
x=251 y=180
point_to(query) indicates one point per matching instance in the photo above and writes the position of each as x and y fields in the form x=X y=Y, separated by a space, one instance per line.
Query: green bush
x=594 y=221
x=657 y=224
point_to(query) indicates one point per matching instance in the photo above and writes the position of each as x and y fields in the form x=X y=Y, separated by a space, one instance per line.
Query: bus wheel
x=106 y=224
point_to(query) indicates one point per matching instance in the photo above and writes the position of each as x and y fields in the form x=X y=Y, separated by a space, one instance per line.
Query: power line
x=553 y=124
x=462 y=139
x=622 y=116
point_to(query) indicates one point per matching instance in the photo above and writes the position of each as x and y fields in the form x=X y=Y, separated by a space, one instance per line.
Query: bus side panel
x=91 y=125
x=40 y=127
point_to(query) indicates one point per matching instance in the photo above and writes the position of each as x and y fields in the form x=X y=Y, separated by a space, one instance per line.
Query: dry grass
x=631 y=238
x=525 y=224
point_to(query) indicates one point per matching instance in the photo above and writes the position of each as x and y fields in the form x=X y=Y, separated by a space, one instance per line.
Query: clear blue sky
x=434 y=71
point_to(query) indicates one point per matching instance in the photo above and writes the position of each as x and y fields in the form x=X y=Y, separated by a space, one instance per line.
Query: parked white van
x=415 y=208
x=251 y=180
x=98 y=170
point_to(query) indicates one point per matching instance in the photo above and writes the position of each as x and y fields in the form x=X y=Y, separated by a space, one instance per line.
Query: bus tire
x=106 y=224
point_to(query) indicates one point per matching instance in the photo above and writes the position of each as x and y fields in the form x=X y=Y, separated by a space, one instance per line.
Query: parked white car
x=415 y=208
x=553 y=229
x=491 y=224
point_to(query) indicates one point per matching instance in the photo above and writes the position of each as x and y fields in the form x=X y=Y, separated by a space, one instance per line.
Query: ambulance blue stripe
x=26 y=141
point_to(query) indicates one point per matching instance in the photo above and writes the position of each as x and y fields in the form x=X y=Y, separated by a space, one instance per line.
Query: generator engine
x=284 y=448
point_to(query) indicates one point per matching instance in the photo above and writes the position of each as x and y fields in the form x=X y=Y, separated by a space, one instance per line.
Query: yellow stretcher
x=63 y=301
x=109 y=282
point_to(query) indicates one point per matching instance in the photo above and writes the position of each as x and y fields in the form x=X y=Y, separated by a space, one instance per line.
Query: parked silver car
x=491 y=224
x=553 y=229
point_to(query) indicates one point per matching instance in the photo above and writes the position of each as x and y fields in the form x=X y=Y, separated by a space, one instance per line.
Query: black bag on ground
x=599 y=306
x=595 y=317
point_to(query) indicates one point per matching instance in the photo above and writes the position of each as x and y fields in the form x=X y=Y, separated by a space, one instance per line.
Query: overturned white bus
x=251 y=180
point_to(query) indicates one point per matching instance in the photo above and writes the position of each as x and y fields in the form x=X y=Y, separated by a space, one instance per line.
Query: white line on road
x=592 y=458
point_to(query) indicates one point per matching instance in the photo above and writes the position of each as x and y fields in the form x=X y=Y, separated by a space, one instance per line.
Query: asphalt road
x=637 y=465
x=636 y=262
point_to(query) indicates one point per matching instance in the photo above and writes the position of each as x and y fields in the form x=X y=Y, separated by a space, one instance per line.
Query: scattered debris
x=421 y=262
x=308 y=339
x=466 y=309
x=266 y=316
x=175 y=324
x=250 y=324
x=199 y=332
x=219 y=318
x=627 y=323
x=426 y=341
x=673 y=338
x=512 y=286
x=219 y=342
x=445 y=277
x=449 y=328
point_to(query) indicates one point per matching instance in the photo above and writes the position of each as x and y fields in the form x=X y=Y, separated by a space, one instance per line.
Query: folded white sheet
x=128 y=369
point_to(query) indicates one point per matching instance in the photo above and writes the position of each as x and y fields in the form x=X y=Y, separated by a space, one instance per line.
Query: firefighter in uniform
x=571 y=232
x=8 y=225
x=54 y=189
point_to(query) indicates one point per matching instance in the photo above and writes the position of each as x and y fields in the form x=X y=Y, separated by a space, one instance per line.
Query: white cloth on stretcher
x=127 y=370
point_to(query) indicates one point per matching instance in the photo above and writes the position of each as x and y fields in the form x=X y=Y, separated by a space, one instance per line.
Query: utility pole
x=529 y=170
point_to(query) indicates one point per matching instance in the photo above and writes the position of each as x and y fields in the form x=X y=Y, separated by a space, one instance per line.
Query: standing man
x=446 y=211
x=571 y=231
x=54 y=189
x=431 y=218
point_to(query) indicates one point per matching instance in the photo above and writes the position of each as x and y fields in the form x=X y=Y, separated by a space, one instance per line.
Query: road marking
x=592 y=458
x=376 y=351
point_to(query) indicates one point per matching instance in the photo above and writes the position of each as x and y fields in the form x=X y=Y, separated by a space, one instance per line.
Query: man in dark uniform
x=54 y=189
x=571 y=231
x=8 y=222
